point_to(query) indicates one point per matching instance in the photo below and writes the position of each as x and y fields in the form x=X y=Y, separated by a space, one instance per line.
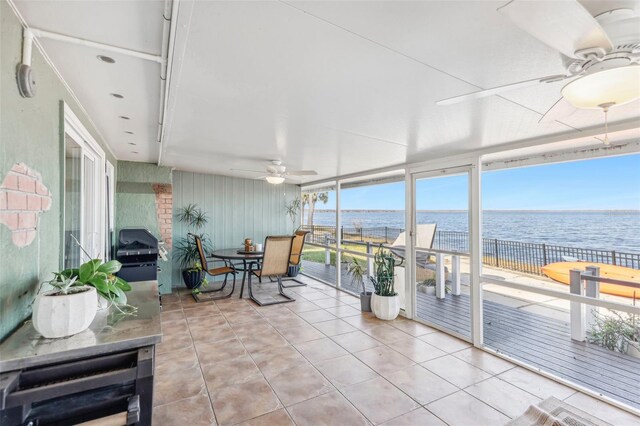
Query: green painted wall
x=237 y=209
x=30 y=132
x=136 y=204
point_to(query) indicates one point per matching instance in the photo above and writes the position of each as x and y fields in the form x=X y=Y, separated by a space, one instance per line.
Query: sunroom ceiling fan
x=276 y=172
x=601 y=54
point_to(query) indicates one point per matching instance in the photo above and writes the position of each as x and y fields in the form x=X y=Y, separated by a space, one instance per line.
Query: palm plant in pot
x=186 y=250
x=357 y=271
x=385 y=302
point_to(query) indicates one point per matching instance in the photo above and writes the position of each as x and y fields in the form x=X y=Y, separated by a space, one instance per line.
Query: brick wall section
x=23 y=197
x=164 y=211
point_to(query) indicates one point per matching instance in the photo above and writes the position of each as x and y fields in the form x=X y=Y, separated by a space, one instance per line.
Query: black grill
x=138 y=253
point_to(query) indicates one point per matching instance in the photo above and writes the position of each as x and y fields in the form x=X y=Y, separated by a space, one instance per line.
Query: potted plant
x=66 y=310
x=385 y=302
x=357 y=271
x=186 y=250
x=428 y=286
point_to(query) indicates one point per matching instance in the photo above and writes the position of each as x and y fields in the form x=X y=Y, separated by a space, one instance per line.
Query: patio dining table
x=248 y=259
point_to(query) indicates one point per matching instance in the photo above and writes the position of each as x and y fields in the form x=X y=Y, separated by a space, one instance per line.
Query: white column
x=475 y=250
x=577 y=308
x=440 y=276
x=592 y=289
x=338 y=237
x=455 y=275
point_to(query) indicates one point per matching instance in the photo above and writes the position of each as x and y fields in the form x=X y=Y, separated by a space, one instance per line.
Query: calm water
x=618 y=231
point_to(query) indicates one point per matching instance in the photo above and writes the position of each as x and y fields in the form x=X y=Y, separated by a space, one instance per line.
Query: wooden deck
x=537 y=340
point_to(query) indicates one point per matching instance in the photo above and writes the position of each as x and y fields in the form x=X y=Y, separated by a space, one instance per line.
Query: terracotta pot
x=385 y=307
x=64 y=315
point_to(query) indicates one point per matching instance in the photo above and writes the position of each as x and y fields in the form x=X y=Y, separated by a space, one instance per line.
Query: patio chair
x=226 y=270
x=425 y=235
x=296 y=257
x=275 y=264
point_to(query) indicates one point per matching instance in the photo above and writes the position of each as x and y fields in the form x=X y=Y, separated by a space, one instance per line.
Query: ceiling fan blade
x=247 y=170
x=302 y=173
x=562 y=109
x=565 y=26
x=500 y=89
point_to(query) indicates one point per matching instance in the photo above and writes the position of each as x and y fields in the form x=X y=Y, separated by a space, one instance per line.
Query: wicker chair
x=225 y=270
x=275 y=264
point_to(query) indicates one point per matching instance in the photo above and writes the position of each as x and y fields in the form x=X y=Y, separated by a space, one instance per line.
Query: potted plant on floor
x=186 y=251
x=357 y=271
x=385 y=302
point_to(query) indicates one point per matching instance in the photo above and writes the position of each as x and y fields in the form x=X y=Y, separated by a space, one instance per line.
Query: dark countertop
x=109 y=332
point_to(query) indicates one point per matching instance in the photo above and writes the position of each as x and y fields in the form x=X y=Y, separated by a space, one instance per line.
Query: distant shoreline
x=500 y=211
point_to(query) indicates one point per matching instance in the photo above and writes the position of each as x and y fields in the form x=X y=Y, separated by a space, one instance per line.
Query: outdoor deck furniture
x=425 y=235
x=275 y=264
x=226 y=270
x=296 y=257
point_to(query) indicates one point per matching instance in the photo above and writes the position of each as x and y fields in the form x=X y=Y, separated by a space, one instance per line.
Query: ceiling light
x=610 y=86
x=106 y=59
x=275 y=180
x=128 y=132
x=124 y=117
x=117 y=95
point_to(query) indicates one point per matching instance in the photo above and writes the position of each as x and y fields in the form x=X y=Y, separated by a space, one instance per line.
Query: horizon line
x=487 y=210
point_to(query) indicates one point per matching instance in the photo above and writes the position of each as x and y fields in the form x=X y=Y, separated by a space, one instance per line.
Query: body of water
x=603 y=230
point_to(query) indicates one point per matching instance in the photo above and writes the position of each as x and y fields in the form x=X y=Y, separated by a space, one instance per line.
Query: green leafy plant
x=293 y=208
x=197 y=267
x=357 y=271
x=185 y=249
x=65 y=286
x=615 y=332
x=383 y=282
x=97 y=274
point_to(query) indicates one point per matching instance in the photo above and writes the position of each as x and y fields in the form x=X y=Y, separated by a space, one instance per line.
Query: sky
x=600 y=184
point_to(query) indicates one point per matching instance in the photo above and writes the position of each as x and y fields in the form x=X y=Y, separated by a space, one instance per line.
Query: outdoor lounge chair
x=275 y=264
x=226 y=270
x=296 y=257
x=425 y=235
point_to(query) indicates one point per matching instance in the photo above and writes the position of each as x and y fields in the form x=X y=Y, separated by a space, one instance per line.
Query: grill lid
x=132 y=241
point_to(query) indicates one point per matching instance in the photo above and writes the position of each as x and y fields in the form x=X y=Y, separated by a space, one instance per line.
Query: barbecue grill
x=138 y=253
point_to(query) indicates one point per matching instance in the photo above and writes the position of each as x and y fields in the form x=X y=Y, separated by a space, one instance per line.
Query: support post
x=577 y=308
x=327 y=252
x=592 y=289
x=495 y=245
x=455 y=275
x=370 y=270
x=440 y=276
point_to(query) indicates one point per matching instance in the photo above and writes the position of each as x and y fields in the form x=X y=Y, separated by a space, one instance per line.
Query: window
x=84 y=195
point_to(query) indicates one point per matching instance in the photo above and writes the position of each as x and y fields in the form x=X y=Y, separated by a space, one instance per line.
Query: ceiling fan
x=601 y=54
x=276 y=172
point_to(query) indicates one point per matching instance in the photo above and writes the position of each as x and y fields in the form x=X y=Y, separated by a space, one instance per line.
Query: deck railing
x=514 y=255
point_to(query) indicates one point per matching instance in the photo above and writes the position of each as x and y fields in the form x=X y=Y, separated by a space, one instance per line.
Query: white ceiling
x=338 y=87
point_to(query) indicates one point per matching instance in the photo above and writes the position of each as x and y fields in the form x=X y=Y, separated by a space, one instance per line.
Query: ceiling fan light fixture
x=275 y=180
x=614 y=86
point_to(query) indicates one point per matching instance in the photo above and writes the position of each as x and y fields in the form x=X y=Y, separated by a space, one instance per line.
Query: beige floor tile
x=416 y=350
x=536 y=384
x=502 y=396
x=243 y=401
x=272 y=361
x=302 y=306
x=282 y=322
x=330 y=409
x=445 y=342
x=201 y=311
x=419 y=417
x=210 y=320
x=320 y=350
x=174 y=315
x=484 y=360
x=182 y=359
x=301 y=334
x=194 y=411
x=334 y=327
x=386 y=334
x=379 y=400
x=456 y=371
x=242 y=317
x=356 y=341
x=346 y=370
x=364 y=321
x=174 y=342
x=251 y=328
x=274 y=418
x=299 y=384
x=383 y=360
x=316 y=295
x=316 y=316
x=602 y=410
x=221 y=350
x=412 y=328
x=170 y=307
x=175 y=327
x=203 y=332
x=344 y=311
x=421 y=384
x=172 y=386
x=231 y=371
x=329 y=303
x=261 y=340
x=171 y=298
x=461 y=409
x=273 y=310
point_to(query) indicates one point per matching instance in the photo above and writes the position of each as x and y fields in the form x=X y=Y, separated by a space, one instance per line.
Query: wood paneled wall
x=236 y=208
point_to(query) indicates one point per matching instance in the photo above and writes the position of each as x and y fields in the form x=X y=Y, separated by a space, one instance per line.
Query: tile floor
x=319 y=361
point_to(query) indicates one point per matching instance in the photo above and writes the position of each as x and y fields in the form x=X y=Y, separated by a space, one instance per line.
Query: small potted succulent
x=357 y=271
x=385 y=302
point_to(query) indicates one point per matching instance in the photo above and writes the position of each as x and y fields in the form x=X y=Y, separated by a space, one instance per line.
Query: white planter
x=62 y=316
x=385 y=307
